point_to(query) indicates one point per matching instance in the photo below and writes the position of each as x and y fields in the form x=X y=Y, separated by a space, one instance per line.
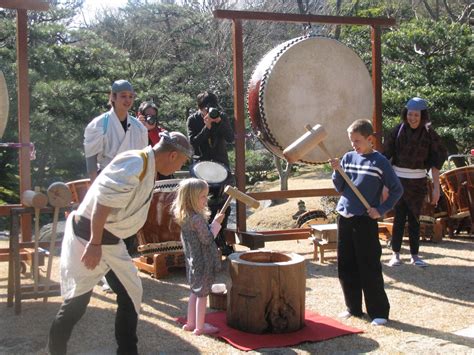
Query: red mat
x=317 y=328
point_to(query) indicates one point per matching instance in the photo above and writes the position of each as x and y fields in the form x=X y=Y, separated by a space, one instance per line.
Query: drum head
x=309 y=80
x=211 y=172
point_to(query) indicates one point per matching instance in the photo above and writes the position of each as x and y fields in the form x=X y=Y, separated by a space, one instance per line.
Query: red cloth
x=317 y=328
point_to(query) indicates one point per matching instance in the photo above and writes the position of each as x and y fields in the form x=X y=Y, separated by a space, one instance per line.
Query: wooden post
x=377 y=84
x=239 y=114
x=23 y=115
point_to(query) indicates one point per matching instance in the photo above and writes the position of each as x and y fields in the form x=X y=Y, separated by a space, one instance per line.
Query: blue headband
x=416 y=104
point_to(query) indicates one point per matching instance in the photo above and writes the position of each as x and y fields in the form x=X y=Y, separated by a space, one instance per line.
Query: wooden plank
x=285 y=17
x=255 y=240
x=274 y=195
x=5 y=209
x=38 y=5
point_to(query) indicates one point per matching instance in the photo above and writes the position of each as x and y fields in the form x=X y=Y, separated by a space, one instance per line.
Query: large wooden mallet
x=238 y=195
x=59 y=195
x=309 y=141
x=37 y=200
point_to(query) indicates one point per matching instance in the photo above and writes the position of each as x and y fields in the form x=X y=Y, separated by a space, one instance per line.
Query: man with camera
x=209 y=132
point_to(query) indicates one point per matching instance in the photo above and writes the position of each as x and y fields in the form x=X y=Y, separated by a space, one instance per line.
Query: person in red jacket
x=148 y=115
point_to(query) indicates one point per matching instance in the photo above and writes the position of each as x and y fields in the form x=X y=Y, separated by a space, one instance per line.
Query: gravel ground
x=428 y=306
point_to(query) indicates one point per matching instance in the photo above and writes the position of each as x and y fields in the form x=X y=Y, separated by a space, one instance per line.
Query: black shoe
x=227 y=250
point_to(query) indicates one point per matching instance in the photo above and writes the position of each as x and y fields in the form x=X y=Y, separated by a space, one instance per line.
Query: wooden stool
x=324 y=238
x=322 y=245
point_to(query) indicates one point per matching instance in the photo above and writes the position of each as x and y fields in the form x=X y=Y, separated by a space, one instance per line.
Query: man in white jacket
x=115 y=207
x=113 y=132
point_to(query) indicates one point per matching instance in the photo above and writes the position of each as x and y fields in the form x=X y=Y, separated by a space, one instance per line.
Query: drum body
x=214 y=174
x=458 y=185
x=78 y=189
x=160 y=225
x=309 y=80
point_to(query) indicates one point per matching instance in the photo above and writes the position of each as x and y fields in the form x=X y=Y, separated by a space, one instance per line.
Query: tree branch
x=430 y=10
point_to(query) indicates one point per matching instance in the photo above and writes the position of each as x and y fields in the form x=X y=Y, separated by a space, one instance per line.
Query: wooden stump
x=267 y=294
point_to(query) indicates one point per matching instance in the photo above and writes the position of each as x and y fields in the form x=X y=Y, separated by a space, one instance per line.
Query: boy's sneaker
x=394 y=261
x=379 y=321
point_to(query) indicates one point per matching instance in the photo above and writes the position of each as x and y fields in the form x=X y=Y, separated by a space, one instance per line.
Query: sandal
x=187 y=327
x=207 y=329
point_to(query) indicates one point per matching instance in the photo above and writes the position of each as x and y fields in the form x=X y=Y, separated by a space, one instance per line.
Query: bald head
x=171 y=152
x=174 y=142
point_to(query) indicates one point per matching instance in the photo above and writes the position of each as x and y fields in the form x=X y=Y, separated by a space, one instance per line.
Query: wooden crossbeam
x=286 y=17
x=38 y=5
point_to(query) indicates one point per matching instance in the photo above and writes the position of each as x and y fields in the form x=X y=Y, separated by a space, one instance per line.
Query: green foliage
x=172 y=52
x=259 y=165
x=432 y=60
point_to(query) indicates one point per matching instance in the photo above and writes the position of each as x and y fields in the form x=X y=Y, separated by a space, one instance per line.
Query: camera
x=151 y=119
x=213 y=112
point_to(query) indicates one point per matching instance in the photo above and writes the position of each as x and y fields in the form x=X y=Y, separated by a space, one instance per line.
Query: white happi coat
x=117 y=186
x=105 y=137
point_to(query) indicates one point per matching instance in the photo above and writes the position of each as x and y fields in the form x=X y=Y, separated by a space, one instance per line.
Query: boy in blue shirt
x=359 y=250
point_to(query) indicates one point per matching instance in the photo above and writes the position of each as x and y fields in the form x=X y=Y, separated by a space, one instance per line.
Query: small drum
x=309 y=80
x=213 y=173
x=311 y=217
x=160 y=225
x=458 y=186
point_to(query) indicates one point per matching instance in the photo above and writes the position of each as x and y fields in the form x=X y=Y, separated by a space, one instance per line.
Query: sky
x=94 y=5
x=90 y=7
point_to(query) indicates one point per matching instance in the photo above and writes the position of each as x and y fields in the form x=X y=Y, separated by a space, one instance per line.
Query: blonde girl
x=201 y=255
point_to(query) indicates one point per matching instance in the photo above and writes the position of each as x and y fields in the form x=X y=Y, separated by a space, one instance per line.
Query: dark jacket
x=210 y=144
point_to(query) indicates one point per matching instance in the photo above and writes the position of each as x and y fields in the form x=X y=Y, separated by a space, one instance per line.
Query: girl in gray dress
x=202 y=259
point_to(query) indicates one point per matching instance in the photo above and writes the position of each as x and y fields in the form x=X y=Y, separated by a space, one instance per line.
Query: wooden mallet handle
x=37 y=200
x=59 y=195
x=346 y=178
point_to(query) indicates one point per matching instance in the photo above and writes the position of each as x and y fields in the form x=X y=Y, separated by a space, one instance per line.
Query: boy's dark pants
x=359 y=266
x=73 y=309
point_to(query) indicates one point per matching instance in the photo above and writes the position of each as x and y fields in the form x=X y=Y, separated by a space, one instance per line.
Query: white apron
x=119 y=187
x=77 y=280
